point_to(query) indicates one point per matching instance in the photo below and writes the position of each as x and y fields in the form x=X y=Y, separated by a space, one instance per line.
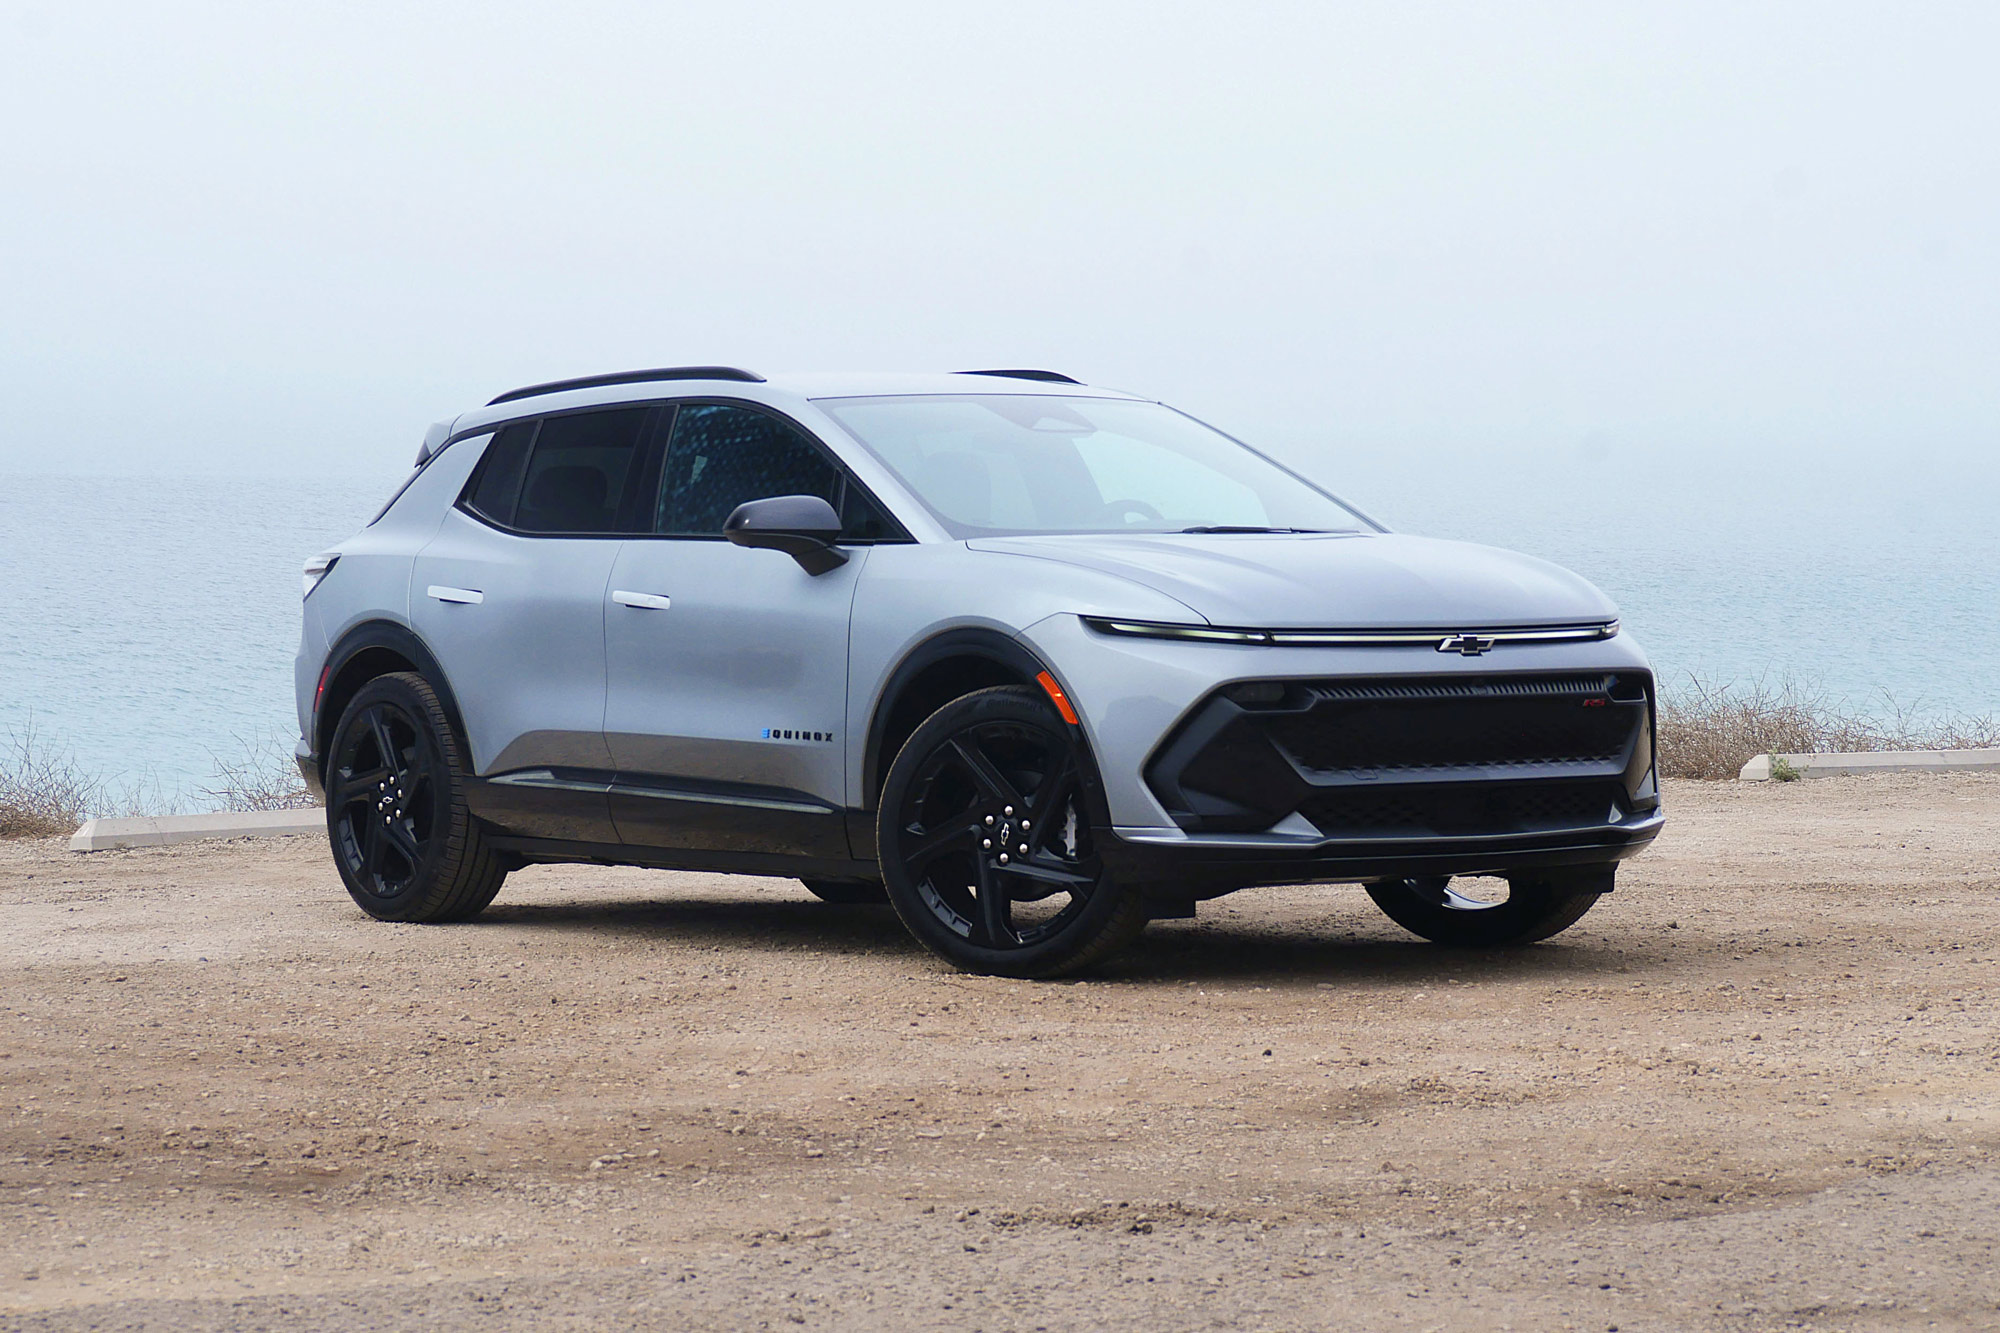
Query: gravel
x=1757 y=1087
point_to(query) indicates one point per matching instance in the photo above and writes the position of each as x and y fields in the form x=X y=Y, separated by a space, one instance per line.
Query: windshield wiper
x=1235 y=527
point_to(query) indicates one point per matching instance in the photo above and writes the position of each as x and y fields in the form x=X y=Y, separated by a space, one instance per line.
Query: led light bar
x=1467 y=642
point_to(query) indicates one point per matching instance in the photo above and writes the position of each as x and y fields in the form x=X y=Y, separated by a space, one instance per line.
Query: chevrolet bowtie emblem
x=1471 y=645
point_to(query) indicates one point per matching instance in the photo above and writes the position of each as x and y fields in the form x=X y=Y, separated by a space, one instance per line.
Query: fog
x=257 y=238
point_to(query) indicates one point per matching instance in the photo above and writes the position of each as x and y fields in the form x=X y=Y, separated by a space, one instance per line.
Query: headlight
x=316 y=569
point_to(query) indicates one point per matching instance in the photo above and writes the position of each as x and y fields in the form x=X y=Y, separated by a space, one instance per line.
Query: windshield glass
x=1006 y=464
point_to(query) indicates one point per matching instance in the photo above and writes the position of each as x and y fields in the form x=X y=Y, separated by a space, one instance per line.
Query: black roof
x=632 y=377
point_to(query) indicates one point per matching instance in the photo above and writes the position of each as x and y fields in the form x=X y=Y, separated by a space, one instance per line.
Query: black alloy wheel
x=405 y=845
x=986 y=828
x=1531 y=908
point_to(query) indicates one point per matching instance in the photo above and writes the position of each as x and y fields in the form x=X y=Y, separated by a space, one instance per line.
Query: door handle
x=463 y=596
x=642 y=601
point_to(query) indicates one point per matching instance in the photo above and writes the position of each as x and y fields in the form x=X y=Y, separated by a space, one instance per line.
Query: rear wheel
x=405 y=844
x=847 y=892
x=1532 y=908
x=985 y=841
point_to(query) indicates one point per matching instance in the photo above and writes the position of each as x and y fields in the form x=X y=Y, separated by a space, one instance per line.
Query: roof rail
x=1043 y=376
x=632 y=377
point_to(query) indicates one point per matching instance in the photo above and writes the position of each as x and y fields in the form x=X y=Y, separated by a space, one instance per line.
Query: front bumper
x=1134 y=694
x=1359 y=764
x=1205 y=866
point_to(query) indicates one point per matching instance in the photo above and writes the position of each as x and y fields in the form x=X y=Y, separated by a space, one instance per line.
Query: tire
x=1534 y=908
x=396 y=758
x=985 y=775
x=847 y=892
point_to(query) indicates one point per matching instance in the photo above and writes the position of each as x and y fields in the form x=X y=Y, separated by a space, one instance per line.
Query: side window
x=721 y=456
x=497 y=487
x=581 y=471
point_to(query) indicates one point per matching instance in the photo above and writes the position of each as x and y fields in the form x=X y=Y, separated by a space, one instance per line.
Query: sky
x=284 y=238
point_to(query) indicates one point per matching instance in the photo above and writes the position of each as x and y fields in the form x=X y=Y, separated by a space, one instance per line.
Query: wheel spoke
x=994 y=928
x=357 y=787
x=403 y=841
x=372 y=844
x=392 y=758
x=931 y=844
x=1047 y=870
x=985 y=773
x=1052 y=799
x=1435 y=890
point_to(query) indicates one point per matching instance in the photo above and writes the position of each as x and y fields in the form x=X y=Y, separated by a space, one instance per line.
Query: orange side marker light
x=1058 y=698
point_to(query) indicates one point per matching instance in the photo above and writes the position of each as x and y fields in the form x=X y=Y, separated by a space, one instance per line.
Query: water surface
x=149 y=623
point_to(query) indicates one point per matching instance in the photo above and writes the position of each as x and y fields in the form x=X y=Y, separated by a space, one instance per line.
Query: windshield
x=1007 y=464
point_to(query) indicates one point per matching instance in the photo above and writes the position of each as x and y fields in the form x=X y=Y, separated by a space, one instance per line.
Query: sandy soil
x=1758 y=1087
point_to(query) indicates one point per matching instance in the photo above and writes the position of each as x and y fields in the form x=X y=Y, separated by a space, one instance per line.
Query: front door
x=726 y=700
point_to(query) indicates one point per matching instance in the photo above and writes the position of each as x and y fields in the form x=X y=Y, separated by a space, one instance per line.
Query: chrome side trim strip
x=545 y=780
x=541 y=777
x=711 y=798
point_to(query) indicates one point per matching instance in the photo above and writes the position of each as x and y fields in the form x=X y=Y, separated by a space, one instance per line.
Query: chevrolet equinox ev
x=1034 y=661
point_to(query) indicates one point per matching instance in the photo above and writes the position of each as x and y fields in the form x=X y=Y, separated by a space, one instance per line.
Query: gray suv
x=1034 y=661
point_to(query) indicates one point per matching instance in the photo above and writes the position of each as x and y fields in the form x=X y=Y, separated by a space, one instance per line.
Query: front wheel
x=1533 y=908
x=406 y=846
x=985 y=841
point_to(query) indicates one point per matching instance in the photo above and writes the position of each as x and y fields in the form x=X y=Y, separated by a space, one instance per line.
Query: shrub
x=1710 y=731
x=263 y=777
x=43 y=793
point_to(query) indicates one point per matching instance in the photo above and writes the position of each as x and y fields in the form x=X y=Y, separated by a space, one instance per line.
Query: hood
x=1331 y=580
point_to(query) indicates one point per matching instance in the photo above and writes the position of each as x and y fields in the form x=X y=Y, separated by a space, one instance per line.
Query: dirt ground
x=1758 y=1087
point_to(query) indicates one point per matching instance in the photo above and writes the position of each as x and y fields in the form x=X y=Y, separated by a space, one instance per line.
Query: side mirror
x=804 y=527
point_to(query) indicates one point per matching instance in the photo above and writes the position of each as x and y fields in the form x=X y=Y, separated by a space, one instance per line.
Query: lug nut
x=1024 y=849
x=986 y=843
x=1007 y=810
x=1003 y=858
x=989 y=819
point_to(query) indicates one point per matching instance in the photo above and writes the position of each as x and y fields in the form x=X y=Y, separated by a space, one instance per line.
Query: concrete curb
x=101 y=835
x=1879 y=761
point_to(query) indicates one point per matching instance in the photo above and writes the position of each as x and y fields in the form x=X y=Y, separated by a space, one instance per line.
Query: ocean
x=148 y=624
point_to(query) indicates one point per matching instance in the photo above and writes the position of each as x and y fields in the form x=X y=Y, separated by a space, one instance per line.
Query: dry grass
x=1710 y=731
x=262 y=777
x=45 y=793
x=42 y=791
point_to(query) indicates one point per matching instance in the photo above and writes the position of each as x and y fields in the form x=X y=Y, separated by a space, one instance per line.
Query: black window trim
x=654 y=447
x=636 y=472
x=840 y=469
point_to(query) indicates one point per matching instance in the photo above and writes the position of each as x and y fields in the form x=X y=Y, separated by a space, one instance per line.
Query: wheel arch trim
x=374 y=636
x=971 y=643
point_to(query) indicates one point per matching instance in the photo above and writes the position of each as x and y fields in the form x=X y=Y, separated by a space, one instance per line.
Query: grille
x=1412 y=726
x=1462 y=809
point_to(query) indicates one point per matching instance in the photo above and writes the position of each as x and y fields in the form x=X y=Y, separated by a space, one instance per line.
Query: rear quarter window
x=495 y=488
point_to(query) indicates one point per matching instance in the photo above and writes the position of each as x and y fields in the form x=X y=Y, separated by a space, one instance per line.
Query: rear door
x=726 y=708
x=510 y=596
